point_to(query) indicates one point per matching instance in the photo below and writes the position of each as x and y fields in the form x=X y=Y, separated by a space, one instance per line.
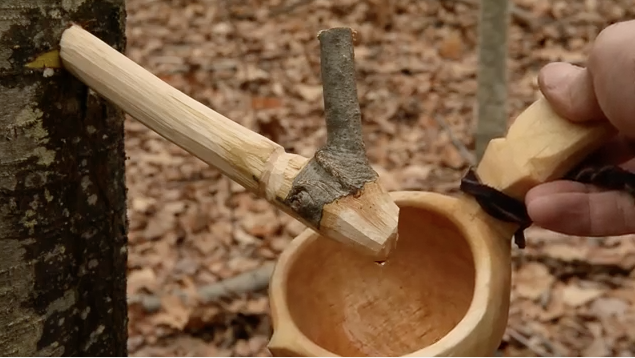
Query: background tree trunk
x=492 y=73
x=63 y=225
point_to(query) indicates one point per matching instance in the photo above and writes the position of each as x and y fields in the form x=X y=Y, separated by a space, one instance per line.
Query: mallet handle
x=239 y=153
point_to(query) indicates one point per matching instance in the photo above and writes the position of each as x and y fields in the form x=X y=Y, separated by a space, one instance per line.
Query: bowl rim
x=287 y=334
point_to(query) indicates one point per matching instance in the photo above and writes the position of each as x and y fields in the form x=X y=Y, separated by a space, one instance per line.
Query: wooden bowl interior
x=354 y=307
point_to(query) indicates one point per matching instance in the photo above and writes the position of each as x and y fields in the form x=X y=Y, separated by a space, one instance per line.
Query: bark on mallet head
x=337 y=190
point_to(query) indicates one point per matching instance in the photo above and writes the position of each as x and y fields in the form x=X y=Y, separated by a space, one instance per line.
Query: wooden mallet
x=335 y=193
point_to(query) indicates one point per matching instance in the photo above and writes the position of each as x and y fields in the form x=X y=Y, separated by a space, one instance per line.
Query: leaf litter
x=257 y=62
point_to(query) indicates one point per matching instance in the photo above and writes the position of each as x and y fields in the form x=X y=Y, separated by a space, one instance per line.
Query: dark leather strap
x=498 y=204
x=505 y=208
x=608 y=177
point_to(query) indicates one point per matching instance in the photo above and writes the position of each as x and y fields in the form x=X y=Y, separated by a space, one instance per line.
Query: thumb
x=569 y=90
x=612 y=63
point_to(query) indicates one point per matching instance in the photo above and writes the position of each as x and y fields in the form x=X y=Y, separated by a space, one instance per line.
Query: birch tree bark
x=63 y=225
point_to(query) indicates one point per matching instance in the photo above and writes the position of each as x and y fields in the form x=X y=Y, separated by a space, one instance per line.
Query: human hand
x=604 y=90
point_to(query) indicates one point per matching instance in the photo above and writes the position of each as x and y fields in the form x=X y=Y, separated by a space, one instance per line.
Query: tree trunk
x=63 y=224
x=492 y=73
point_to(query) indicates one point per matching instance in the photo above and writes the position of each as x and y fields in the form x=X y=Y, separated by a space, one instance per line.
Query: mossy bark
x=63 y=225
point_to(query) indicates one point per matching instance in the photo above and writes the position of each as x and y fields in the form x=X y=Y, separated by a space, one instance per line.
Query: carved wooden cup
x=445 y=289
x=430 y=295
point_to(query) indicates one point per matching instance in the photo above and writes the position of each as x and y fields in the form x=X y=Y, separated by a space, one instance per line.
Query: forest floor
x=257 y=62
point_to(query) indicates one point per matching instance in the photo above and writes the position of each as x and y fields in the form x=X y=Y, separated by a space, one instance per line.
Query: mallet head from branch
x=334 y=193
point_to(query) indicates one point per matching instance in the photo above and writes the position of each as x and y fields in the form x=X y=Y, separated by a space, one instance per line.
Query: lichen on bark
x=63 y=262
x=340 y=168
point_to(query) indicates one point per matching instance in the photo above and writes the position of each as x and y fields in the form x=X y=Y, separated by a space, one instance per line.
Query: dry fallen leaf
x=607 y=307
x=566 y=252
x=552 y=303
x=575 y=296
x=414 y=176
x=452 y=158
x=173 y=314
x=159 y=225
x=310 y=93
x=451 y=46
x=261 y=225
x=144 y=278
x=532 y=280
x=598 y=347
x=265 y=102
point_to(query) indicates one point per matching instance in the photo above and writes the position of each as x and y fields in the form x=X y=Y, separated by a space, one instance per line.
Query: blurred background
x=257 y=62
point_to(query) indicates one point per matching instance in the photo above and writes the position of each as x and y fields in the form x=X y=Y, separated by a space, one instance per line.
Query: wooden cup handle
x=539 y=147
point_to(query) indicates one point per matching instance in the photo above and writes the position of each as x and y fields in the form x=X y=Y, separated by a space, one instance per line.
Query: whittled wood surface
x=539 y=147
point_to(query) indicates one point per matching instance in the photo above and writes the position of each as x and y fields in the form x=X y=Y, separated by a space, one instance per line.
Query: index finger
x=579 y=209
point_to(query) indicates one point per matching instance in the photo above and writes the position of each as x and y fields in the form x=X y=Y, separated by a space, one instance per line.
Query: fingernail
x=557 y=76
x=569 y=89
